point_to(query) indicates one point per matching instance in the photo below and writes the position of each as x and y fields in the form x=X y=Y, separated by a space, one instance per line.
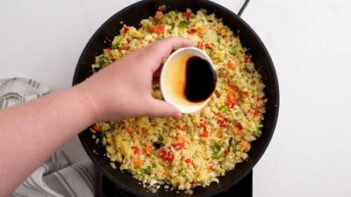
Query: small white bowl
x=182 y=105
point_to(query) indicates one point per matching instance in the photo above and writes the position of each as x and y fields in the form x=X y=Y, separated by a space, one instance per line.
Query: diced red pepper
x=204 y=133
x=239 y=126
x=125 y=28
x=188 y=13
x=167 y=155
x=191 y=31
x=221 y=120
x=135 y=150
x=201 y=123
x=200 y=45
x=231 y=101
x=188 y=161
x=245 y=94
x=178 y=143
x=157 y=28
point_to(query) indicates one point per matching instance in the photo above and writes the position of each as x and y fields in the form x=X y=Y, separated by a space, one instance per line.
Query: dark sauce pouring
x=200 y=79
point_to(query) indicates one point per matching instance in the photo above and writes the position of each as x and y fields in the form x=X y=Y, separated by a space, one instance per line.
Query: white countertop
x=309 y=41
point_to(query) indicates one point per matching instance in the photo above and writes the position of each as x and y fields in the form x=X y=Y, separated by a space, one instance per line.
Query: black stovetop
x=242 y=189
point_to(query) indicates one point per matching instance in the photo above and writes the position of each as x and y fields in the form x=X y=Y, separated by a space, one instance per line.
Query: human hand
x=123 y=89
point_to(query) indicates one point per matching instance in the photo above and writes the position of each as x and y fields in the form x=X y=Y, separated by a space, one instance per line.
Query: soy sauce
x=200 y=79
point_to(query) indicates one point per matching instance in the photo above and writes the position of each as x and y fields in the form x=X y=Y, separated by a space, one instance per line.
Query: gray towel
x=57 y=177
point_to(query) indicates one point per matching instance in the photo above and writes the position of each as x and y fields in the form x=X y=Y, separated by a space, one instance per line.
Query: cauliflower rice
x=199 y=147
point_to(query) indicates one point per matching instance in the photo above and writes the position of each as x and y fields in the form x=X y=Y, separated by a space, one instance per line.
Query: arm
x=31 y=132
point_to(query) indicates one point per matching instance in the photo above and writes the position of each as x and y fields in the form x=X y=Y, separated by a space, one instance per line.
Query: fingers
x=163 y=48
x=159 y=108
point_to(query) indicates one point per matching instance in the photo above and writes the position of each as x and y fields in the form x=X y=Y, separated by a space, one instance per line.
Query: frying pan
x=132 y=15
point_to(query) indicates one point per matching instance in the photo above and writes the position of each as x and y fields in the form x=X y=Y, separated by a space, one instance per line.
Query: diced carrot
x=159 y=15
x=138 y=163
x=219 y=133
x=260 y=101
x=128 y=129
x=107 y=52
x=96 y=127
x=232 y=88
x=232 y=64
x=166 y=173
x=178 y=143
x=188 y=161
x=148 y=149
x=125 y=46
x=140 y=132
x=254 y=112
x=244 y=145
x=201 y=30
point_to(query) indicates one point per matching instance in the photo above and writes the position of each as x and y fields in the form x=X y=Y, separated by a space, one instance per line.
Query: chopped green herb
x=233 y=51
x=217 y=153
x=225 y=109
x=106 y=127
x=103 y=59
x=116 y=45
x=171 y=14
x=184 y=24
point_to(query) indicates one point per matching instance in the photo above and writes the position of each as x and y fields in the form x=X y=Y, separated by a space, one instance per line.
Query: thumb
x=159 y=108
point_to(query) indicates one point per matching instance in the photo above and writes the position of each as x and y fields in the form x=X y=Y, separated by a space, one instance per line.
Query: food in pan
x=198 y=148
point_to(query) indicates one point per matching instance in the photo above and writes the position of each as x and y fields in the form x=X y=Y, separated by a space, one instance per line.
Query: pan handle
x=246 y=2
x=243 y=7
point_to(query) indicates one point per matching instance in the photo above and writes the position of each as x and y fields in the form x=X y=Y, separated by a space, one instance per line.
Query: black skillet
x=132 y=15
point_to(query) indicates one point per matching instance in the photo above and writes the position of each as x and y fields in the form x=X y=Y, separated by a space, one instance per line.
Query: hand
x=123 y=89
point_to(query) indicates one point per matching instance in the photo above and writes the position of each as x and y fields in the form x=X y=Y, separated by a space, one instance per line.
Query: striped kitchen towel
x=57 y=177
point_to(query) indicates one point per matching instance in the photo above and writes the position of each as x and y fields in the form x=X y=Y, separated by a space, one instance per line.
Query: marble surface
x=309 y=42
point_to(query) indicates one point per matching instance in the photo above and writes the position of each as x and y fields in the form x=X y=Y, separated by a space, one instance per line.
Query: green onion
x=172 y=25
x=230 y=143
x=184 y=24
x=233 y=51
x=171 y=14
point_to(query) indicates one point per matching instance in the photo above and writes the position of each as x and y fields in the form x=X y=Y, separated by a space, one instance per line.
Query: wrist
x=88 y=104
